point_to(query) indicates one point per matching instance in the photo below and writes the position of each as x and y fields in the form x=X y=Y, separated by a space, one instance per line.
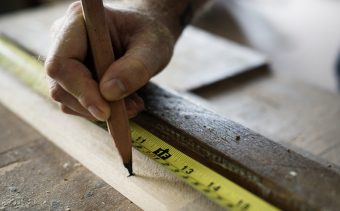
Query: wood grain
x=272 y=171
x=288 y=111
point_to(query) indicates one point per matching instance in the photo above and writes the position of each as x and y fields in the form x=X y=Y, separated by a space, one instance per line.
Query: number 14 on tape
x=211 y=184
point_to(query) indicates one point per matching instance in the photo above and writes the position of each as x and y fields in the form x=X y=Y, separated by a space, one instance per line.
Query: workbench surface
x=36 y=174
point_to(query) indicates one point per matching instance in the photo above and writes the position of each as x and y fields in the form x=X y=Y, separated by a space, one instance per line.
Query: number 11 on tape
x=211 y=184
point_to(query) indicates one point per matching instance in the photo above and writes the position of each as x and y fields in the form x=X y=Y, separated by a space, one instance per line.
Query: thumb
x=146 y=55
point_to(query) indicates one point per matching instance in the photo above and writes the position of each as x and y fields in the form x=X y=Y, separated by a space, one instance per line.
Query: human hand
x=143 y=46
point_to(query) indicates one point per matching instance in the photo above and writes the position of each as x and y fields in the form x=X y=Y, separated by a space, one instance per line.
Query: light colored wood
x=153 y=189
x=52 y=179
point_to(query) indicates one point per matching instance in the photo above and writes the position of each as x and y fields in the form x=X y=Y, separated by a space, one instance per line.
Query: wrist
x=174 y=14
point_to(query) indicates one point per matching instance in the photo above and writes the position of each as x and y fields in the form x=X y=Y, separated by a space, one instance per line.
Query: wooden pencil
x=103 y=57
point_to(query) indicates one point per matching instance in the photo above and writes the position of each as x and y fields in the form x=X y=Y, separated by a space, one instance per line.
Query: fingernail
x=114 y=89
x=98 y=114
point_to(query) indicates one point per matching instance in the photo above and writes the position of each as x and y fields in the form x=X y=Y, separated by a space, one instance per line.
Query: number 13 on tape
x=211 y=184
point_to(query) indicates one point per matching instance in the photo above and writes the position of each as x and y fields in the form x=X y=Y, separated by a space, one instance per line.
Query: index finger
x=65 y=63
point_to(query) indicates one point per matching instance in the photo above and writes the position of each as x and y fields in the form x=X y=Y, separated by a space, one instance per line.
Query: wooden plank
x=288 y=111
x=234 y=59
x=36 y=175
x=272 y=171
x=153 y=189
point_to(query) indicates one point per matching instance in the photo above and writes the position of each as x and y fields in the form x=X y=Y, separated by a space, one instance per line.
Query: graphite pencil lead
x=128 y=166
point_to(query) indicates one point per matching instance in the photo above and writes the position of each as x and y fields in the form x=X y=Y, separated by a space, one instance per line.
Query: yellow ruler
x=211 y=184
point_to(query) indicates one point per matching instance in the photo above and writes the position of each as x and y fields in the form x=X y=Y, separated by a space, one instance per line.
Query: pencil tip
x=128 y=166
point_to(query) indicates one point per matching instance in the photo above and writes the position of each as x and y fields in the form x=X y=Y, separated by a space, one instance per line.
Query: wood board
x=286 y=110
x=153 y=189
x=206 y=136
x=275 y=173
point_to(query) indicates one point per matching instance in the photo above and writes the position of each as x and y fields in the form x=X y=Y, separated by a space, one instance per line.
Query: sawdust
x=15 y=200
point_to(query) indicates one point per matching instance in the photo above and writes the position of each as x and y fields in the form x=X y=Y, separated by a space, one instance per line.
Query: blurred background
x=13 y=5
x=301 y=38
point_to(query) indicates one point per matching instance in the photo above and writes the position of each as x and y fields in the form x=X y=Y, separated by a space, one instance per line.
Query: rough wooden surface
x=273 y=172
x=36 y=175
x=288 y=111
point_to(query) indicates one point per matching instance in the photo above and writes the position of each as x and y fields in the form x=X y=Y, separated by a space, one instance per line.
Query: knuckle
x=164 y=41
x=75 y=8
x=141 y=75
x=145 y=72
x=164 y=55
x=53 y=68
x=57 y=93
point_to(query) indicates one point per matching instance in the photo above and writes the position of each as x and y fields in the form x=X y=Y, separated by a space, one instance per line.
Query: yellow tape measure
x=214 y=186
x=211 y=184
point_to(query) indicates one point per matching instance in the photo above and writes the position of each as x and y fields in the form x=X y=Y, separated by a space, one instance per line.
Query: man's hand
x=143 y=43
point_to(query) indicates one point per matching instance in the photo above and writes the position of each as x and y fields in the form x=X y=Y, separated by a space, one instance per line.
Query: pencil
x=103 y=57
